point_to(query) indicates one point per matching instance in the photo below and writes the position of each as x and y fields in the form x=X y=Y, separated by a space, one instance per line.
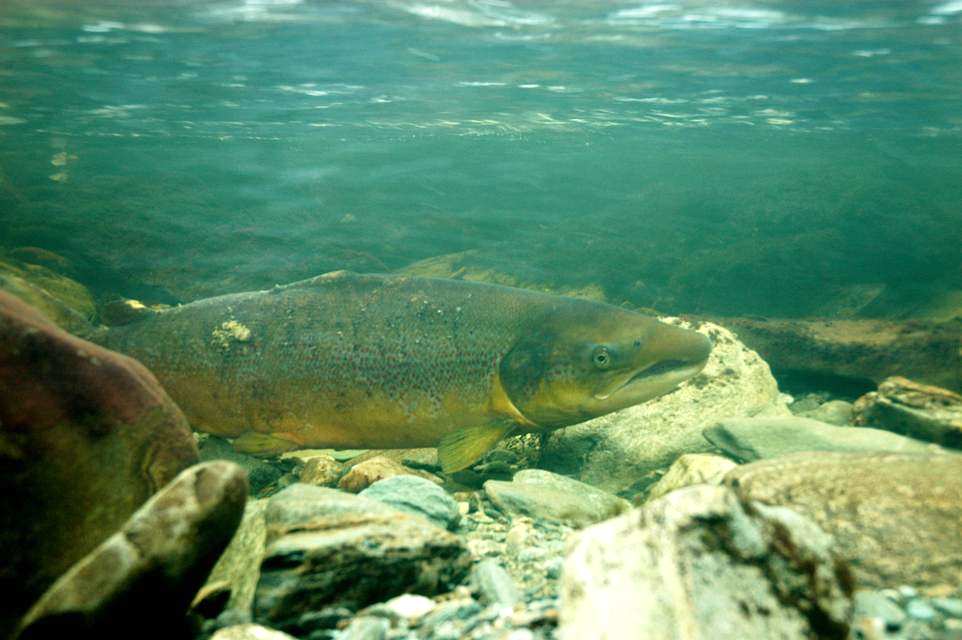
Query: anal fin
x=262 y=444
x=461 y=449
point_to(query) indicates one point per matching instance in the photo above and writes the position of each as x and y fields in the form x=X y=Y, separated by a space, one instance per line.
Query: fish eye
x=601 y=357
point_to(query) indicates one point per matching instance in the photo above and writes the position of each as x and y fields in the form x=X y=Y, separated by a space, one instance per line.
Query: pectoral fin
x=461 y=449
x=262 y=444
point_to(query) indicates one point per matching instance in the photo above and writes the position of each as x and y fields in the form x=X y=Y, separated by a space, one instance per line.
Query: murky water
x=779 y=158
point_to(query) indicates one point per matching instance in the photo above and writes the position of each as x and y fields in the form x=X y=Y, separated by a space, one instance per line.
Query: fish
x=348 y=360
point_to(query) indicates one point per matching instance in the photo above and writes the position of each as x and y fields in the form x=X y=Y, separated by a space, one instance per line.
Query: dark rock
x=698 y=563
x=866 y=350
x=750 y=439
x=418 y=496
x=915 y=410
x=261 y=473
x=549 y=496
x=330 y=548
x=86 y=436
x=148 y=573
x=895 y=517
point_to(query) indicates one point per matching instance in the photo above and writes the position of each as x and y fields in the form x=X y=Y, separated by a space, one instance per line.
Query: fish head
x=591 y=359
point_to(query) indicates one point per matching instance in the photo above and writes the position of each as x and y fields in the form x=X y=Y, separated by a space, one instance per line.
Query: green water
x=776 y=158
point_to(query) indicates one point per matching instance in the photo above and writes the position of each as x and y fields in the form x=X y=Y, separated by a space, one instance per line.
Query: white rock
x=692 y=468
x=250 y=632
x=411 y=606
x=614 y=452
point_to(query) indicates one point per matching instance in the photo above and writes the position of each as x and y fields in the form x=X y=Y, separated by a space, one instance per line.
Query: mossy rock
x=64 y=301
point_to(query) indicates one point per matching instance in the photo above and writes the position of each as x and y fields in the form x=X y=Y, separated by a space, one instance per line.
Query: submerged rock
x=418 y=496
x=916 y=410
x=61 y=300
x=894 y=516
x=749 y=439
x=261 y=473
x=321 y=470
x=330 y=548
x=689 y=469
x=866 y=350
x=148 y=573
x=619 y=452
x=836 y=412
x=366 y=473
x=239 y=565
x=250 y=632
x=549 y=496
x=697 y=563
x=86 y=436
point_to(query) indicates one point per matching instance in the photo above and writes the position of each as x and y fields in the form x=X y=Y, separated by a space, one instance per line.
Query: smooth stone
x=689 y=469
x=63 y=301
x=920 y=610
x=550 y=496
x=418 y=496
x=330 y=548
x=411 y=606
x=836 y=412
x=339 y=455
x=494 y=583
x=322 y=471
x=750 y=439
x=239 y=565
x=872 y=604
x=86 y=436
x=621 y=451
x=917 y=410
x=698 y=563
x=364 y=474
x=894 y=516
x=250 y=632
x=148 y=572
x=366 y=628
x=951 y=607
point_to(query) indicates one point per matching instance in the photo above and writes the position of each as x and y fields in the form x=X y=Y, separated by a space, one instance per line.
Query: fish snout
x=700 y=348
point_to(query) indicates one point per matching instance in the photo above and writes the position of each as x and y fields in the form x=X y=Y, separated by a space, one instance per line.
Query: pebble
x=411 y=606
x=920 y=610
x=951 y=607
x=365 y=628
x=907 y=592
x=873 y=604
x=418 y=496
x=494 y=583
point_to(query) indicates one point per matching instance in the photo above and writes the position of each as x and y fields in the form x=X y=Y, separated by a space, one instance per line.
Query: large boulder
x=62 y=300
x=621 y=451
x=86 y=436
x=917 y=410
x=699 y=564
x=749 y=439
x=861 y=350
x=239 y=565
x=895 y=516
x=141 y=580
x=331 y=548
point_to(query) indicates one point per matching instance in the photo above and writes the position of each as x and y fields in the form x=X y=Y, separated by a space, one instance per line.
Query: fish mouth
x=660 y=374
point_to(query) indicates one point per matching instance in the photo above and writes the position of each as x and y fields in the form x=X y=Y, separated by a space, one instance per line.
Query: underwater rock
x=494 y=584
x=418 y=496
x=261 y=473
x=364 y=474
x=150 y=570
x=866 y=350
x=330 y=548
x=250 y=632
x=894 y=516
x=86 y=436
x=836 y=412
x=239 y=565
x=689 y=469
x=321 y=471
x=697 y=563
x=65 y=302
x=915 y=410
x=749 y=439
x=619 y=452
x=549 y=496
